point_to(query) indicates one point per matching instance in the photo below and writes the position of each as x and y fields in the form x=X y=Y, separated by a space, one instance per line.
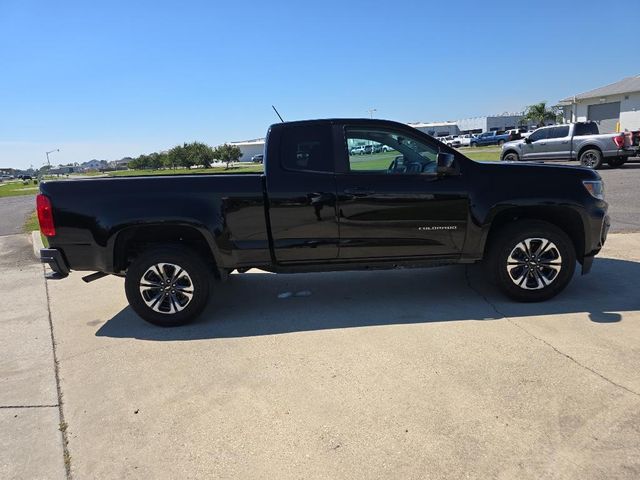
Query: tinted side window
x=389 y=152
x=559 y=132
x=539 y=134
x=585 y=129
x=307 y=148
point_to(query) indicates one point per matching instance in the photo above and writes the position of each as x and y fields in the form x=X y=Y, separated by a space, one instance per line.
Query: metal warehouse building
x=490 y=123
x=614 y=107
x=249 y=148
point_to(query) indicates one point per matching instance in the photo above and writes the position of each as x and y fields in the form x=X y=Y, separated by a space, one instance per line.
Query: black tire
x=174 y=307
x=500 y=142
x=473 y=144
x=616 y=162
x=591 y=158
x=532 y=278
x=510 y=156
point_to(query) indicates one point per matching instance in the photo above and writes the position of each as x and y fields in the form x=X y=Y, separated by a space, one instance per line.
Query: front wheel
x=473 y=144
x=531 y=260
x=510 y=157
x=591 y=158
x=168 y=285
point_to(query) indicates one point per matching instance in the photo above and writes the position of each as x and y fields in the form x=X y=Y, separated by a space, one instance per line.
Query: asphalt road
x=14 y=211
x=622 y=191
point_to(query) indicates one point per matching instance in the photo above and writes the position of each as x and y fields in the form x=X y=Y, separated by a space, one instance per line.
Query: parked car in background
x=357 y=150
x=575 y=141
x=368 y=149
x=465 y=140
x=317 y=209
x=451 y=140
x=489 y=138
x=259 y=158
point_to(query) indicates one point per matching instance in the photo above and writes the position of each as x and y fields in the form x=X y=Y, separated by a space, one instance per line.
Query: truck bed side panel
x=228 y=210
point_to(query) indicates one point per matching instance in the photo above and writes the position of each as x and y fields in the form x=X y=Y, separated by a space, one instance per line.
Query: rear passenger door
x=301 y=188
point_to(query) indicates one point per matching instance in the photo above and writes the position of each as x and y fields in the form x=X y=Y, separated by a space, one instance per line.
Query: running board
x=94 y=276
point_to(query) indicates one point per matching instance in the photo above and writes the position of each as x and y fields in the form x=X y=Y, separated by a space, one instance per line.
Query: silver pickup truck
x=574 y=141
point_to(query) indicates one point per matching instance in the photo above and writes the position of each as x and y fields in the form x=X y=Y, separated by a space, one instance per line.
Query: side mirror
x=527 y=140
x=446 y=163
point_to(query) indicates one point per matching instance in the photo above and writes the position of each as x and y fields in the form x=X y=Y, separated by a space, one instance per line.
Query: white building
x=249 y=148
x=437 y=129
x=487 y=123
x=614 y=107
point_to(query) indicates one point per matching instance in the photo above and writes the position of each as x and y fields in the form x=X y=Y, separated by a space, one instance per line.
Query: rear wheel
x=473 y=144
x=531 y=260
x=500 y=142
x=616 y=162
x=168 y=286
x=591 y=158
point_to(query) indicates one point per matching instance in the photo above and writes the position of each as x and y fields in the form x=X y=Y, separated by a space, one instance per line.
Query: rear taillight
x=619 y=140
x=45 y=215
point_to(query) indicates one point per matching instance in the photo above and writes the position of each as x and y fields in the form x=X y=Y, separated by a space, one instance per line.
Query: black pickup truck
x=414 y=203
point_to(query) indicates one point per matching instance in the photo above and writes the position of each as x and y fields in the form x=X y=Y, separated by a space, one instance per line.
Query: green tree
x=139 y=163
x=540 y=114
x=179 y=156
x=228 y=153
x=155 y=161
x=200 y=153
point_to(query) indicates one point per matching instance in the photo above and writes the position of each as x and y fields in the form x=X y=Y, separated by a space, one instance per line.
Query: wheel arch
x=566 y=219
x=590 y=146
x=131 y=241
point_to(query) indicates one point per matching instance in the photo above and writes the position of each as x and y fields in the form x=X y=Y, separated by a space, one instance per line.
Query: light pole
x=371 y=112
x=51 y=151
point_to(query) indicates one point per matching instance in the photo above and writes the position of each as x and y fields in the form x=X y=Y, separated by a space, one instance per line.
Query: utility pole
x=47 y=153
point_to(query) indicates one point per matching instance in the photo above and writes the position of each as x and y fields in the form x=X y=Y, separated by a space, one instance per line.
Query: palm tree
x=540 y=113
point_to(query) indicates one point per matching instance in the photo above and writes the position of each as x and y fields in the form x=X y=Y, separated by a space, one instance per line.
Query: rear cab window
x=307 y=148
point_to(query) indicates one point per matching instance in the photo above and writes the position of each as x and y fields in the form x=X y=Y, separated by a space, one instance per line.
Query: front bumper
x=587 y=260
x=56 y=261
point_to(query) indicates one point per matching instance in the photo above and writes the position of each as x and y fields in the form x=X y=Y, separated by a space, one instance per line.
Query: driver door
x=392 y=204
x=536 y=147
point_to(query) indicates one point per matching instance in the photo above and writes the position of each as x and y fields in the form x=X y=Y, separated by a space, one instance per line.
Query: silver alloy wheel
x=166 y=288
x=510 y=157
x=590 y=159
x=534 y=263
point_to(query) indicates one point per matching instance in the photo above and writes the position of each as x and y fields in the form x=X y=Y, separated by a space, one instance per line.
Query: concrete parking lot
x=400 y=374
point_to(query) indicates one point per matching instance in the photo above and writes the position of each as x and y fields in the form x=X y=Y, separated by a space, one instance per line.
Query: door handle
x=358 y=192
x=564 y=143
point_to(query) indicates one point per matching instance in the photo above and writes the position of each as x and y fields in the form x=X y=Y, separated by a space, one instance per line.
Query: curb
x=36 y=240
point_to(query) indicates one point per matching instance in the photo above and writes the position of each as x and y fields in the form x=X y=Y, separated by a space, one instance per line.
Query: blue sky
x=110 y=79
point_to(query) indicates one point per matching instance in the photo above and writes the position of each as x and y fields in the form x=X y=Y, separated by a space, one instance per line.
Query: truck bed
x=227 y=209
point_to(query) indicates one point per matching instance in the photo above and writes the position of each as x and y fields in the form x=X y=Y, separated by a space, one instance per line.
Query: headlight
x=595 y=188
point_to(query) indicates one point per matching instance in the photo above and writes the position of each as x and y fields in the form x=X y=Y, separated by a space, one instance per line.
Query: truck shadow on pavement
x=255 y=304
